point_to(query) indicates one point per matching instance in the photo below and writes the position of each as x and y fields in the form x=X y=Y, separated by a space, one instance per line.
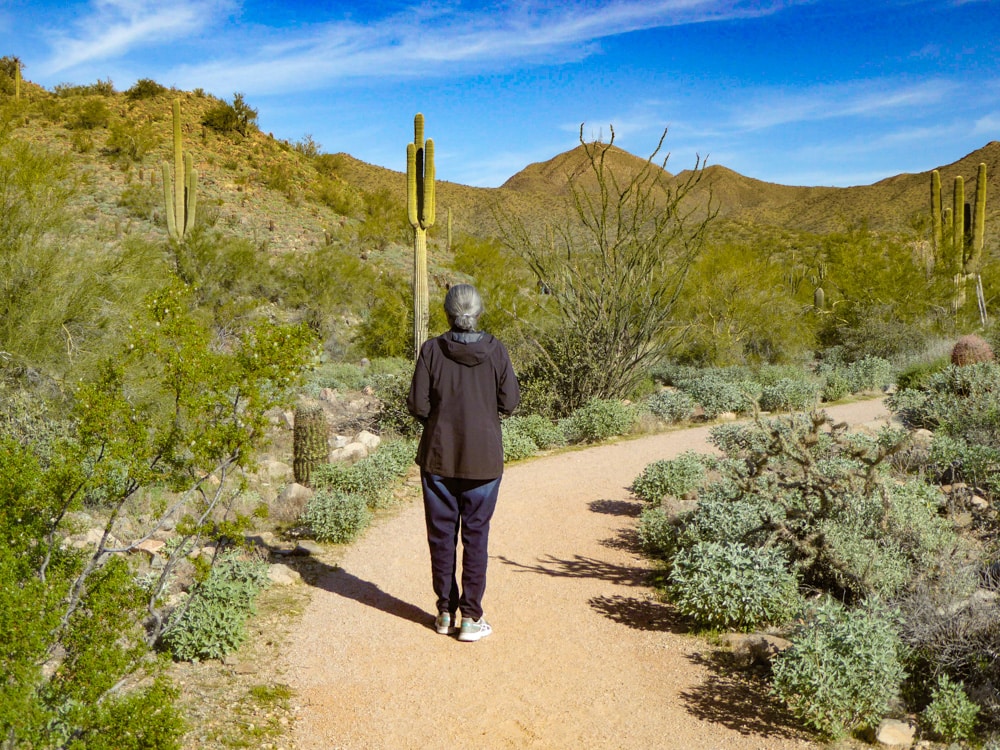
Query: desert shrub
x=237 y=117
x=336 y=516
x=675 y=477
x=950 y=715
x=969 y=350
x=543 y=432
x=140 y=200
x=657 y=533
x=917 y=375
x=720 y=390
x=517 y=443
x=869 y=374
x=600 y=419
x=842 y=670
x=130 y=140
x=671 y=405
x=723 y=520
x=89 y=114
x=788 y=395
x=835 y=385
x=393 y=415
x=144 y=88
x=373 y=477
x=733 y=585
x=212 y=623
x=336 y=194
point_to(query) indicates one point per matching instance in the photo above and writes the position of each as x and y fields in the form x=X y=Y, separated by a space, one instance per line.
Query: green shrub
x=869 y=374
x=130 y=140
x=140 y=200
x=373 y=477
x=788 y=395
x=543 y=432
x=671 y=405
x=600 y=419
x=237 y=117
x=89 y=114
x=950 y=715
x=336 y=516
x=393 y=415
x=212 y=623
x=918 y=374
x=733 y=586
x=675 y=477
x=721 y=519
x=842 y=670
x=517 y=443
x=144 y=88
x=835 y=385
x=720 y=390
x=657 y=533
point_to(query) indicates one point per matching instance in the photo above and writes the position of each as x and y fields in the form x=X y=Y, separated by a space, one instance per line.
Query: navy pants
x=453 y=506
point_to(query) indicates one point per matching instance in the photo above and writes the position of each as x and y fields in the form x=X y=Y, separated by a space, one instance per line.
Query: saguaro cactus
x=180 y=193
x=309 y=441
x=958 y=233
x=420 y=212
x=975 y=252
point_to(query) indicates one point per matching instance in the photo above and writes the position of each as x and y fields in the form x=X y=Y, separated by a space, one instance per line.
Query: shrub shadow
x=627 y=540
x=616 y=508
x=584 y=567
x=740 y=701
x=640 y=614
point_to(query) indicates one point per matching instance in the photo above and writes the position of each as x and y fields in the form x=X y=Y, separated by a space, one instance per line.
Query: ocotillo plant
x=420 y=212
x=180 y=193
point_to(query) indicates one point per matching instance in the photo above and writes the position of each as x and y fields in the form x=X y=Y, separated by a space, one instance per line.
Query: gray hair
x=463 y=306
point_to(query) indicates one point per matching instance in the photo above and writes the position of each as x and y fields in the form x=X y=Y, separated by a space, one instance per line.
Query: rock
x=290 y=504
x=338 y=441
x=979 y=503
x=282 y=575
x=895 y=733
x=350 y=453
x=151 y=547
x=749 y=649
x=328 y=394
x=307 y=548
x=274 y=471
x=370 y=440
x=288 y=419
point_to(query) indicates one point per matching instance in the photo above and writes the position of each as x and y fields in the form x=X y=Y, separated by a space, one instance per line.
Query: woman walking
x=463 y=381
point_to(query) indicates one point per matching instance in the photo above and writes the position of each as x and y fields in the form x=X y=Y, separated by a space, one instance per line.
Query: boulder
x=370 y=440
x=896 y=733
x=292 y=501
x=283 y=575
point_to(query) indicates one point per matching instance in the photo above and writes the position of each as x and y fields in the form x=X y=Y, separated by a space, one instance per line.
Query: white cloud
x=115 y=27
x=442 y=40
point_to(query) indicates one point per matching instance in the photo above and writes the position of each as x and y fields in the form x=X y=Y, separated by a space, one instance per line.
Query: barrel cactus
x=969 y=350
x=309 y=441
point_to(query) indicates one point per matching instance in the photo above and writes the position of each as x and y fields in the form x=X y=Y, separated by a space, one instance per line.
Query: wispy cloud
x=872 y=99
x=115 y=27
x=440 y=40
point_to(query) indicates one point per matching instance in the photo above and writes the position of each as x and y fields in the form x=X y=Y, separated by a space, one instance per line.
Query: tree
x=609 y=277
x=174 y=410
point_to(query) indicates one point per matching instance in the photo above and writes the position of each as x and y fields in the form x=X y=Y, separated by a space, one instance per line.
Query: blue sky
x=798 y=92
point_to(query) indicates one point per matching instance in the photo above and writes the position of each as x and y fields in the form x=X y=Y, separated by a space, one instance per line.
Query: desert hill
x=286 y=197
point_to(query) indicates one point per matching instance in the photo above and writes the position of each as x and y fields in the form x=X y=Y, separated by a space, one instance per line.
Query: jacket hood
x=469 y=349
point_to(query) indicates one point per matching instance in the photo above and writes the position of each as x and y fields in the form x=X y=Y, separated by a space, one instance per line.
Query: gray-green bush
x=212 y=622
x=675 y=477
x=733 y=586
x=842 y=671
x=336 y=516
x=950 y=715
x=599 y=419
x=671 y=405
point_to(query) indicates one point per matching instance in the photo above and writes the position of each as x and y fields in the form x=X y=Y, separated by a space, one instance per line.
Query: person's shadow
x=336 y=580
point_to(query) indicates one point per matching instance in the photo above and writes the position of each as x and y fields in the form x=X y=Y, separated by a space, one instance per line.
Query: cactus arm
x=191 y=194
x=937 y=236
x=978 y=222
x=411 y=184
x=168 y=196
x=178 y=170
x=958 y=225
x=429 y=208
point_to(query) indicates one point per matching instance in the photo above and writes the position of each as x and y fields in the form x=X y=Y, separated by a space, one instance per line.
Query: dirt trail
x=582 y=654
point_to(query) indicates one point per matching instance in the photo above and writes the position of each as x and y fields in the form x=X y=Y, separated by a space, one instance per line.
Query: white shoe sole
x=476 y=636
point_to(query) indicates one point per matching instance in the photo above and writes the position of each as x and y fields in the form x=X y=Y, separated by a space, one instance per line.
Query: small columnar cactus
x=309 y=446
x=180 y=193
x=970 y=350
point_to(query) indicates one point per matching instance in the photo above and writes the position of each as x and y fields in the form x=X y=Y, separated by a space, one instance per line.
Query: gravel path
x=582 y=655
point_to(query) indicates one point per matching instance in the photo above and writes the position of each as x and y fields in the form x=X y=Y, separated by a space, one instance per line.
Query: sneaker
x=473 y=630
x=443 y=624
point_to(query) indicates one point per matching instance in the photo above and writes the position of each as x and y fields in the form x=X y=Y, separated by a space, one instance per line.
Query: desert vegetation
x=156 y=323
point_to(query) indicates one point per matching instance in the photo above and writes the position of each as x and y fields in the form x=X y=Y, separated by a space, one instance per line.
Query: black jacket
x=458 y=391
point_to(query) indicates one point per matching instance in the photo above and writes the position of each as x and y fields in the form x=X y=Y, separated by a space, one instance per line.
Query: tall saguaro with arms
x=420 y=211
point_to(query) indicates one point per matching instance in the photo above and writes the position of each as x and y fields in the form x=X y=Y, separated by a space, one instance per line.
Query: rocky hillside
x=287 y=198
